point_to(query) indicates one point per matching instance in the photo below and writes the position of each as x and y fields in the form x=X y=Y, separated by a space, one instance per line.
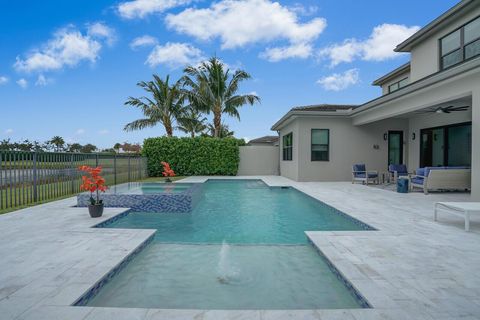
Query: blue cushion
x=399 y=168
x=420 y=171
x=417 y=180
x=362 y=175
x=359 y=168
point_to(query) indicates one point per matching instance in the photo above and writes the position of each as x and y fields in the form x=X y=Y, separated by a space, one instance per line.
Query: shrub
x=192 y=156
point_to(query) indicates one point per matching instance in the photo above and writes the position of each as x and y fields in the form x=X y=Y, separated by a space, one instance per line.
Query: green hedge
x=193 y=156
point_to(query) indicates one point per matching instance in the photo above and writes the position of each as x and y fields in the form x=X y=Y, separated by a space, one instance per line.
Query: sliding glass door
x=446 y=146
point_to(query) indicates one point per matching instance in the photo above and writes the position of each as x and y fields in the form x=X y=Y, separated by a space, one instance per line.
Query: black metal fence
x=33 y=177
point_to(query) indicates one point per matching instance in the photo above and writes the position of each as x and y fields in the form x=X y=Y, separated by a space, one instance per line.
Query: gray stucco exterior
x=354 y=133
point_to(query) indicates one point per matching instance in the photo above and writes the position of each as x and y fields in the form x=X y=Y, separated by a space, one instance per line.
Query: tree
x=117 y=147
x=58 y=142
x=212 y=89
x=164 y=105
x=224 y=131
x=192 y=122
x=88 y=148
x=75 y=147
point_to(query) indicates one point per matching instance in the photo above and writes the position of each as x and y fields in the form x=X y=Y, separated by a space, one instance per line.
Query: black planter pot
x=95 y=210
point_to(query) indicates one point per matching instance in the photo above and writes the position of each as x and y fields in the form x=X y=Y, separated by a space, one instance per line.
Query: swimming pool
x=242 y=247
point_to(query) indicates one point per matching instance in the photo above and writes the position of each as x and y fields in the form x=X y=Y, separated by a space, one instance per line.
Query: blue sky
x=67 y=67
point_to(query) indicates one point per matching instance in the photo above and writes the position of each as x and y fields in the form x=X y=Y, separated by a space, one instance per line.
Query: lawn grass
x=24 y=197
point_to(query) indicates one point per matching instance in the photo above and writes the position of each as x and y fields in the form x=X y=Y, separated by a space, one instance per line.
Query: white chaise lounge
x=462 y=209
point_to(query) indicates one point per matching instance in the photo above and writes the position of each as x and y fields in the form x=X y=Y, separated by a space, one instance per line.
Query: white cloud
x=141 y=8
x=68 y=47
x=100 y=30
x=174 y=55
x=80 y=131
x=243 y=22
x=9 y=131
x=301 y=50
x=378 y=47
x=3 y=80
x=104 y=131
x=339 y=81
x=42 y=81
x=22 y=83
x=143 y=41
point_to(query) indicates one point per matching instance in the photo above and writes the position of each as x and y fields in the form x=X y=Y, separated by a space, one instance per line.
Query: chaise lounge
x=441 y=178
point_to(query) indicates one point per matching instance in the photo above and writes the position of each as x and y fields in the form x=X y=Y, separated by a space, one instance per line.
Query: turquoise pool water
x=243 y=212
x=149 y=188
x=242 y=247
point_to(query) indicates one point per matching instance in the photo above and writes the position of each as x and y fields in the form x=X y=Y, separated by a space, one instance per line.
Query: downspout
x=279 y=155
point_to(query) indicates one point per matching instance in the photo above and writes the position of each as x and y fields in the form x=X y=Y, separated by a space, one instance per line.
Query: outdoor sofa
x=441 y=178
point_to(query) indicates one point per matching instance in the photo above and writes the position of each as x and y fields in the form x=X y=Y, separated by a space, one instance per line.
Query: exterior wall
x=425 y=56
x=258 y=160
x=289 y=169
x=393 y=80
x=348 y=145
x=476 y=144
x=429 y=121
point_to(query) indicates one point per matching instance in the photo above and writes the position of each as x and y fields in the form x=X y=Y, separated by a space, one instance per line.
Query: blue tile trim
x=362 y=301
x=181 y=202
x=93 y=291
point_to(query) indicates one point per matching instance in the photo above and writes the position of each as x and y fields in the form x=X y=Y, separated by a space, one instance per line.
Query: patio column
x=476 y=144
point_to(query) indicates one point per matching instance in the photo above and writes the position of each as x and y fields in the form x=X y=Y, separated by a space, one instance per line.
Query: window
x=287 y=146
x=460 y=45
x=397 y=85
x=320 y=145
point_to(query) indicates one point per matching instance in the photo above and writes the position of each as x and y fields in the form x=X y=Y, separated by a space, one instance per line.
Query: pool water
x=251 y=277
x=149 y=188
x=243 y=212
x=242 y=247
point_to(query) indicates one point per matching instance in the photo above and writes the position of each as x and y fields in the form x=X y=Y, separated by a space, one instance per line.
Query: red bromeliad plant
x=93 y=182
x=167 y=171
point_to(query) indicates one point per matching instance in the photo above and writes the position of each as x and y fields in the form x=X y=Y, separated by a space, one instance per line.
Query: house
x=428 y=113
x=264 y=141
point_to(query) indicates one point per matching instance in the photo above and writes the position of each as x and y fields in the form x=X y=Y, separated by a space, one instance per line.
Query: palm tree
x=58 y=142
x=164 y=106
x=224 y=131
x=191 y=121
x=212 y=89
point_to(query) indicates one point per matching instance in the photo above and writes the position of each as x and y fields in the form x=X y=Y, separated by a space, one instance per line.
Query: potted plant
x=167 y=171
x=94 y=183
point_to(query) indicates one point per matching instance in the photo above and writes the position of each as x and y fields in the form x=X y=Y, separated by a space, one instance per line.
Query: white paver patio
x=411 y=268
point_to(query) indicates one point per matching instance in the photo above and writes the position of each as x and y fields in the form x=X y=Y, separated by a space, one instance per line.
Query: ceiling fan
x=448 y=109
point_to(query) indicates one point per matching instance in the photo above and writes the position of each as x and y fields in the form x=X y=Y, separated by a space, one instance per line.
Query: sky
x=67 y=67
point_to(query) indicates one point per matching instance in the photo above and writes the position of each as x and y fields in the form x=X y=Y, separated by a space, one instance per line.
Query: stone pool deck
x=411 y=268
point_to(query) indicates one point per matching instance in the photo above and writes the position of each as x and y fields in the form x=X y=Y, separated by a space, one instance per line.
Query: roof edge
x=392 y=74
x=406 y=45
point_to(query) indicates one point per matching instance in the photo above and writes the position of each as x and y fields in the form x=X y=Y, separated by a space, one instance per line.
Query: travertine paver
x=412 y=268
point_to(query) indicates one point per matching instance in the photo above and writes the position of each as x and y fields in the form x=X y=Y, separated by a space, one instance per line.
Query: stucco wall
x=396 y=79
x=425 y=56
x=476 y=144
x=258 y=160
x=348 y=145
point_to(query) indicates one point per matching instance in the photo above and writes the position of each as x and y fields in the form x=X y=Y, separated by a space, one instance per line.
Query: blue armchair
x=360 y=173
x=397 y=171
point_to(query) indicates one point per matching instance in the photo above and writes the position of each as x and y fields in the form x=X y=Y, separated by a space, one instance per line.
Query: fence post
x=72 y=174
x=128 y=168
x=114 y=169
x=35 y=195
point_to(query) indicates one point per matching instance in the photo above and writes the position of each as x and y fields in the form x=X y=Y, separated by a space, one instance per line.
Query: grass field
x=22 y=196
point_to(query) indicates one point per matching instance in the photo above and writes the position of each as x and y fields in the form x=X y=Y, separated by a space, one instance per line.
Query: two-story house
x=428 y=113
